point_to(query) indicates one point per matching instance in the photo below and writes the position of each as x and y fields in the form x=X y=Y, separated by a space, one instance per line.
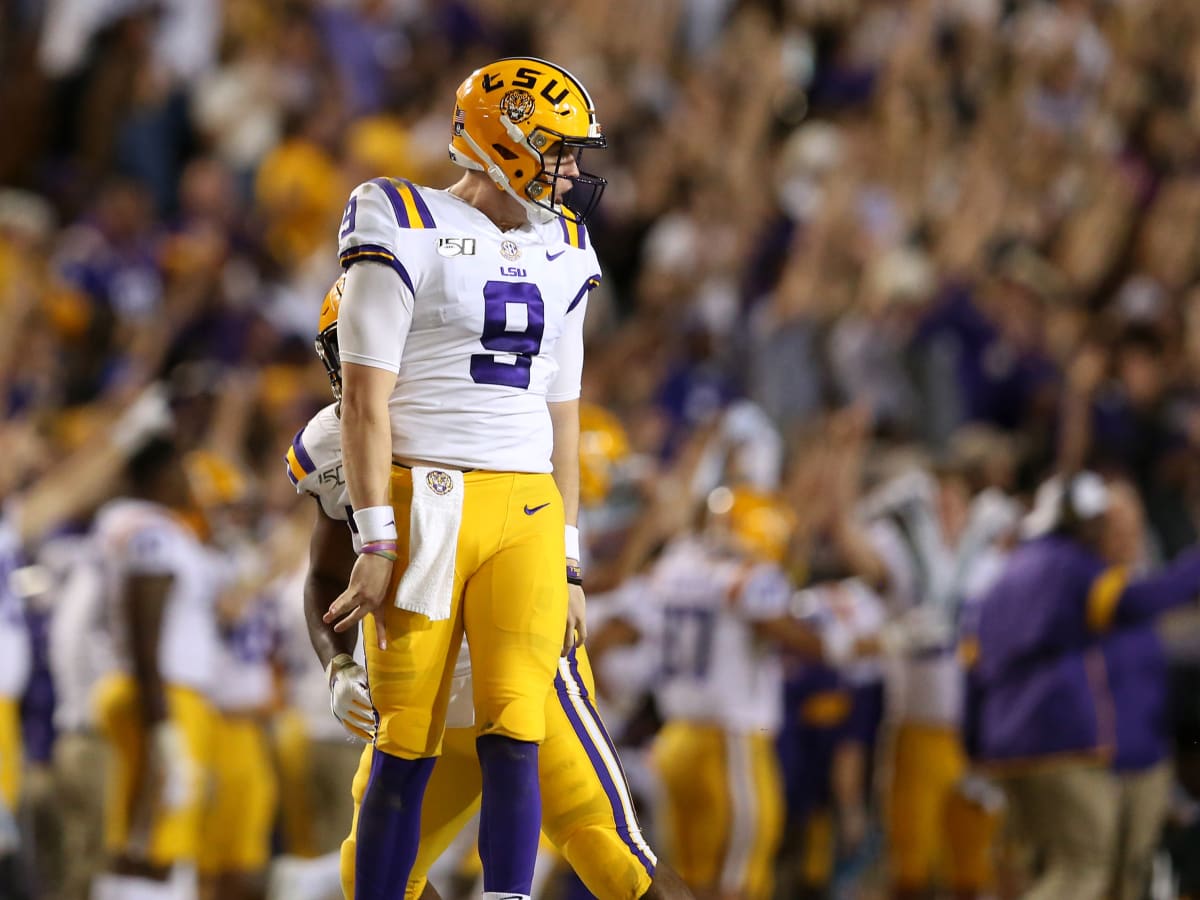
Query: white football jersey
x=314 y=466
x=79 y=643
x=245 y=657
x=135 y=537
x=848 y=607
x=924 y=568
x=714 y=668
x=490 y=309
x=15 y=657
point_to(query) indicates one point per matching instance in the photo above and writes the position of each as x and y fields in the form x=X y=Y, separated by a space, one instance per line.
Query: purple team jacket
x=1042 y=681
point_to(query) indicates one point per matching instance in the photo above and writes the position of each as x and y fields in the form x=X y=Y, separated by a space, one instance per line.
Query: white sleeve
x=568 y=353
x=374 y=317
x=150 y=551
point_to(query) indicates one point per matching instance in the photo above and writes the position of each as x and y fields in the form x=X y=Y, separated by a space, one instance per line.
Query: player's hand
x=350 y=698
x=365 y=595
x=576 y=619
x=173 y=772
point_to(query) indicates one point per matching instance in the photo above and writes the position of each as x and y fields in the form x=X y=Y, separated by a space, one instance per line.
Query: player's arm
x=373 y=325
x=145 y=599
x=86 y=477
x=331 y=559
x=564 y=419
x=562 y=399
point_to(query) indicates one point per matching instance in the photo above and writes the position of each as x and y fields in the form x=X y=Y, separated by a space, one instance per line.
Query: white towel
x=427 y=585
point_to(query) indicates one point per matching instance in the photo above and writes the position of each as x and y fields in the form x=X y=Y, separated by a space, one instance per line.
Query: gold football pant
x=587 y=810
x=10 y=753
x=137 y=821
x=931 y=827
x=510 y=597
x=240 y=810
x=724 y=807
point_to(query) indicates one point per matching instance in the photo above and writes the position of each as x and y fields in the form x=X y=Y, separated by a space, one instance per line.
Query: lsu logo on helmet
x=517 y=119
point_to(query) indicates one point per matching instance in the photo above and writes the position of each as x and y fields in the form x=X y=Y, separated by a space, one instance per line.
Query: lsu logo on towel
x=439 y=482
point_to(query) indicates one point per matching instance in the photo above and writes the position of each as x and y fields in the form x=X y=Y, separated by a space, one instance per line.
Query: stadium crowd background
x=934 y=226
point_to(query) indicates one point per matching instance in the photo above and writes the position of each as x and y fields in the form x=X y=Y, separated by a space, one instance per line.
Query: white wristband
x=571 y=536
x=375 y=523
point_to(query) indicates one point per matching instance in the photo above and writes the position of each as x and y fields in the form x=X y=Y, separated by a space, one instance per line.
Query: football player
x=240 y=806
x=719 y=601
x=587 y=809
x=461 y=339
x=934 y=546
x=155 y=712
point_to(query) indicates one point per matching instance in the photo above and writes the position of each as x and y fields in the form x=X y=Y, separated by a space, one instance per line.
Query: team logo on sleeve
x=510 y=250
x=456 y=246
x=439 y=482
x=517 y=105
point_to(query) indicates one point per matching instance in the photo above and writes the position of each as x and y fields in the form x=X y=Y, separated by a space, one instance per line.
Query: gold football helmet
x=603 y=445
x=327 y=342
x=756 y=523
x=516 y=119
x=215 y=481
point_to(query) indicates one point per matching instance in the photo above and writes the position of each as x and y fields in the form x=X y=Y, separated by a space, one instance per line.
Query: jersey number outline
x=498 y=296
x=349 y=217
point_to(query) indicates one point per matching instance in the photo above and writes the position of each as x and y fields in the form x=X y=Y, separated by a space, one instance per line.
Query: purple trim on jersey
x=302 y=455
x=592 y=282
x=606 y=781
x=393 y=195
x=582 y=235
x=562 y=223
x=288 y=468
x=419 y=201
x=376 y=253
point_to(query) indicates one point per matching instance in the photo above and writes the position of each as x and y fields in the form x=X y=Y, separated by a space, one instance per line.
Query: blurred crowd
x=896 y=262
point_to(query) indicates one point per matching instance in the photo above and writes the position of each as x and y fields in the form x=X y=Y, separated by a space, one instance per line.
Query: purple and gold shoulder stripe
x=574 y=234
x=299 y=463
x=407 y=203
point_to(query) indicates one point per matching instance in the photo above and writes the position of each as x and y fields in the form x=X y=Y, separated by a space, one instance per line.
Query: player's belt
x=430 y=466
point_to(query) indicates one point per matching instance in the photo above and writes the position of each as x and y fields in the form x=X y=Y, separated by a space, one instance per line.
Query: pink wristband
x=386 y=549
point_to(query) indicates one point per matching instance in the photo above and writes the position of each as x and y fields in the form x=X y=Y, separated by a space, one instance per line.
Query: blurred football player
x=155 y=712
x=719 y=600
x=34 y=501
x=587 y=810
x=933 y=544
x=239 y=807
x=461 y=342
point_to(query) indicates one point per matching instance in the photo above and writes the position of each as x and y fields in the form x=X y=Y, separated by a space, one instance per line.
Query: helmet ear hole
x=520 y=173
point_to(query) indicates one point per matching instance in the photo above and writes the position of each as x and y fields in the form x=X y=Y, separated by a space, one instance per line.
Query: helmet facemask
x=326 y=345
x=586 y=188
